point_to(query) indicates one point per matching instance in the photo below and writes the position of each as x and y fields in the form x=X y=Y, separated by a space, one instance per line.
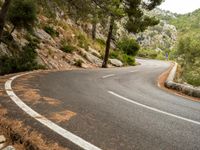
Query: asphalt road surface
x=120 y=108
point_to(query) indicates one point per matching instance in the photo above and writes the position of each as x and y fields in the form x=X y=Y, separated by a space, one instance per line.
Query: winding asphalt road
x=121 y=108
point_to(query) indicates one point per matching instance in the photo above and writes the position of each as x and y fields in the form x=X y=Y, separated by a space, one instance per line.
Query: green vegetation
x=51 y=31
x=78 y=62
x=67 y=48
x=24 y=61
x=188 y=53
x=22 y=14
x=126 y=50
x=126 y=59
x=152 y=54
x=83 y=41
x=129 y=46
x=187 y=24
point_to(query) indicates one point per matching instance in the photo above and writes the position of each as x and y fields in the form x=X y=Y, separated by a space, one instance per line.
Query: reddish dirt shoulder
x=161 y=81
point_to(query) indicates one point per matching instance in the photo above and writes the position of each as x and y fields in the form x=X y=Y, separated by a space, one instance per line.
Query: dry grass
x=51 y=101
x=62 y=116
x=23 y=137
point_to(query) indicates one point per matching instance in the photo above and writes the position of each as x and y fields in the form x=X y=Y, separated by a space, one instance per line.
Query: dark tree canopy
x=22 y=13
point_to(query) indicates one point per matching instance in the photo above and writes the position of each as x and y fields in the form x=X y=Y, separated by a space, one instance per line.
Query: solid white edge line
x=107 y=76
x=59 y=130
x=153 y=109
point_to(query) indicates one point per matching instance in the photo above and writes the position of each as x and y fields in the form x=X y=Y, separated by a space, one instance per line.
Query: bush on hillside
x=24 y=61
x=22 y=13
x=51 y=31
x=129 y=46
x=83 y=41
x=152 y=54
x=67 y=48
x=188 y=52
x=192 y=76
x=78 y=62
x=126 y=59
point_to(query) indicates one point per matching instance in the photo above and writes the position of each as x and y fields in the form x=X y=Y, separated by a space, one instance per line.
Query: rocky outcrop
x=90 y=57
x=163 y=36
x=45 y=37
x=116 y=62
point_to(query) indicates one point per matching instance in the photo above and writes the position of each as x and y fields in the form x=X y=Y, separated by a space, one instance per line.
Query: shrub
x=126 y=59
x=78 y=62
x=129 y=46
x=67 y=48
x=51 y=31
x=24 y=61
x=101 y=42
x=160 y=56
x=152 y=54
x=188 y=52
x=83 y=42
x=22 y=13
x=192 y=76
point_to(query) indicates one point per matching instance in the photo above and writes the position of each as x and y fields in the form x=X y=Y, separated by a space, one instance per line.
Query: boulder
x=116 y=62
x=90 y=57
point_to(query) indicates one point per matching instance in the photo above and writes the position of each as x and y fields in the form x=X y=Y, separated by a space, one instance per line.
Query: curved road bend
x=122 y=109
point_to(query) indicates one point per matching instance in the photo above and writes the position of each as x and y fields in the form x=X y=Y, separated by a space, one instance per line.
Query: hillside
x=187 y=24
x=61 y=43
x=162 y=36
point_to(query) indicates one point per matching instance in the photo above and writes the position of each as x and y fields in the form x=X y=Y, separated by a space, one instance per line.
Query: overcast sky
x=180 y=6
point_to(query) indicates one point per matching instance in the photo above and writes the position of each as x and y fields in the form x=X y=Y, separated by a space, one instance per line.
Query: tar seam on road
x=64 y=133
x=153 y=109
x=107 y=76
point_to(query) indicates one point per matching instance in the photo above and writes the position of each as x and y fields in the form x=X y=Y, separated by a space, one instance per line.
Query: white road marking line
x=154 y=109
x=64 y=133
x=107 y=76
x=134 y=71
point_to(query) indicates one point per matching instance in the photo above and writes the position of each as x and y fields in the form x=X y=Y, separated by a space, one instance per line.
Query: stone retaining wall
x=186 y=89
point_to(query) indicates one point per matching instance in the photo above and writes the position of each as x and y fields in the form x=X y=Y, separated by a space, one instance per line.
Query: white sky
x=180 y=6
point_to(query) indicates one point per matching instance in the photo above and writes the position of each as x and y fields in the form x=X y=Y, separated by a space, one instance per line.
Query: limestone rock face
x=45 y=37
x=90 y=57
x=4 y=49
x=94 y=52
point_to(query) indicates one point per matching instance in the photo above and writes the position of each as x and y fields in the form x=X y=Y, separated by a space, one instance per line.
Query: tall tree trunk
x=3 y=15
x=94 y=29
x=108 y=42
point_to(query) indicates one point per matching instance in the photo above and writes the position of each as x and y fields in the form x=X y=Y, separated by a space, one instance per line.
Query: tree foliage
x=22 y=13
x=132 y=11
x=129 y=46
x=3 y=15
x=188 y=53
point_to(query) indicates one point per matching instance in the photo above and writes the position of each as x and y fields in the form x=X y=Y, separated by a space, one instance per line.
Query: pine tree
x=132 y=11
x=3 y=14
x=22 y=14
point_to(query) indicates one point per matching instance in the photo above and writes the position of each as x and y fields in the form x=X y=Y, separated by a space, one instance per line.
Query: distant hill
x=188 y=24
x=162 y=36
x=172 y=26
